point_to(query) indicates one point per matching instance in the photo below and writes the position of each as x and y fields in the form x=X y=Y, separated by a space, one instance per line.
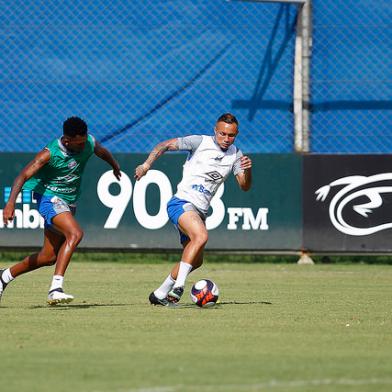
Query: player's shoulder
x=237 y=150
x=190 y=142
x=53 y=143
x=91 y=139
x=54 y=146
x=91 y=142
x=233 y=150
x=208 y=142
x=192 y=136
x=207 y=139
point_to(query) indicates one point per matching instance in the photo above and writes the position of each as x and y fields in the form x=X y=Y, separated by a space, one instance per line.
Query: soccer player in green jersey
x=54 y=176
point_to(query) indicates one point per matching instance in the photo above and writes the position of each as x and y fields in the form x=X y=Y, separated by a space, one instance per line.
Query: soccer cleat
x=154 y=300
x=175 y=294
x=3 y=285
x=57 y=296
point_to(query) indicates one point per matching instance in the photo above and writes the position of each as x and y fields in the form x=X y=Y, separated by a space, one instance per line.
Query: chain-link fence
x=352 y=76
x=143 y=71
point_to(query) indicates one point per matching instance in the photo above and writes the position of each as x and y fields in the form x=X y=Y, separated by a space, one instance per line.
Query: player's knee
x=201 y=239
x=74 y=237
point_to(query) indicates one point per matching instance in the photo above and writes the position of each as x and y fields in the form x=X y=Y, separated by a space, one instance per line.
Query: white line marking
x=260 y=386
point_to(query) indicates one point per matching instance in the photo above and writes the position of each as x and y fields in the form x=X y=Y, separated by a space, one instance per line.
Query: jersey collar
x=64 y=149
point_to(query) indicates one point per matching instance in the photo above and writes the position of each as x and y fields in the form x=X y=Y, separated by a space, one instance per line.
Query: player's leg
x=191 y=224
x=197 y=263
x=46 y=256
x=67 y=225
x=194 y=227
x=177 y=208
x=194 y=236
x=159 y=296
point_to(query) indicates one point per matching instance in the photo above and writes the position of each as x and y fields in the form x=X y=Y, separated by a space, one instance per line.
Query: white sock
x=7 y=277
x=183 y=272
x=162 y=291
x=57 y=282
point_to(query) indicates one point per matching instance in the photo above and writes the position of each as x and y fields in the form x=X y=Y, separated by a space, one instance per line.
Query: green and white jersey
x=62 y=175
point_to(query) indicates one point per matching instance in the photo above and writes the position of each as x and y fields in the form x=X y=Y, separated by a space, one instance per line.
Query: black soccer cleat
x=154 y=300
x=175 y=295
x=3 y=285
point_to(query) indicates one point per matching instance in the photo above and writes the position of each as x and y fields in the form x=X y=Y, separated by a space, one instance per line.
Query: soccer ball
x=204 y=293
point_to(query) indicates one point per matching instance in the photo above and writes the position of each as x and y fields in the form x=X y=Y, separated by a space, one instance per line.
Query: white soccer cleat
x=58 y=296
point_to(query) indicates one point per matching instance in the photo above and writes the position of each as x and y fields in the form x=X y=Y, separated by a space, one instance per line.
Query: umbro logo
x=214 y=175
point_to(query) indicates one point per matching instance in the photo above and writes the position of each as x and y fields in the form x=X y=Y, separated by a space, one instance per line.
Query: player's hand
x=8 y=214
x=116 y=171
x=246 y=162
x=141 y=171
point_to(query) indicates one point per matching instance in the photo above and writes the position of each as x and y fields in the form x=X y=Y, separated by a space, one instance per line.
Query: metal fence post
x=297 y=93
x=303 y=44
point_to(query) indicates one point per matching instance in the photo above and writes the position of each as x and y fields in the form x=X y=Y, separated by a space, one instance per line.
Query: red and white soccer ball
x=205 y=293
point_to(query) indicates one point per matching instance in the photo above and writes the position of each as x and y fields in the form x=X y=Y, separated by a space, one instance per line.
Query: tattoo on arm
x=160 y=149
x=34 y=166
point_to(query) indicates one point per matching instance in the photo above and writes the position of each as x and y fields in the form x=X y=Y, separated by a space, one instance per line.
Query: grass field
x=279 y=327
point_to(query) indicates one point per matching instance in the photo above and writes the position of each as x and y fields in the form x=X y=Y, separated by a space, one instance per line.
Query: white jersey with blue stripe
x=205 y=169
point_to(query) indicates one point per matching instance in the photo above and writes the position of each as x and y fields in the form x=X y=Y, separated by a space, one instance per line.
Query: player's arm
x=106 y=155
x=158 y=150
x=244 y=178
x=40 y=160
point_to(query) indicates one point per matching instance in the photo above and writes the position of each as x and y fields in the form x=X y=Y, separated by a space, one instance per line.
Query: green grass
x=327 y=328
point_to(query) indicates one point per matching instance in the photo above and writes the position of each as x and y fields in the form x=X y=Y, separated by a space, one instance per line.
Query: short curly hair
x=73 y=126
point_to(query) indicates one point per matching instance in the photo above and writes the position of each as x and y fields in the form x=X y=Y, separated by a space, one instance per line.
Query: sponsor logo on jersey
x=200 y=188
x=214 y=175
x=72 y=164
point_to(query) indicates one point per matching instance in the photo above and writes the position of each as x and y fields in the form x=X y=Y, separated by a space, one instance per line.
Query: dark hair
x=73 y=126
x=228 y=118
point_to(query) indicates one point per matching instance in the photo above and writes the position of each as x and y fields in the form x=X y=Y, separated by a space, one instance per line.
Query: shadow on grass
x=76 y=306
x=178 y=306
x=245 y=303
x=220 y=304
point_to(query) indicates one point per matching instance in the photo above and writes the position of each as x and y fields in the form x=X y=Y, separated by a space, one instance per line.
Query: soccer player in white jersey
x=210 y=161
